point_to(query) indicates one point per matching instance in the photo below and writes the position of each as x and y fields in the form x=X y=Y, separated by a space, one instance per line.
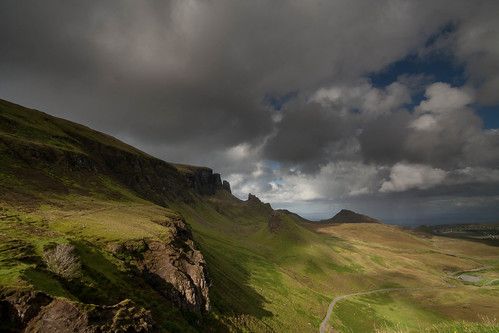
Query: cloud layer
x=277 y=95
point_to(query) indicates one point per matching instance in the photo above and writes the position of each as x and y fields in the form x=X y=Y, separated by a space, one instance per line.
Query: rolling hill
x=348 y=216
x=97 y=236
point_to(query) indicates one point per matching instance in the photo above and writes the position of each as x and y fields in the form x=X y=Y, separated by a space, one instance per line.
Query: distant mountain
x=348 y=216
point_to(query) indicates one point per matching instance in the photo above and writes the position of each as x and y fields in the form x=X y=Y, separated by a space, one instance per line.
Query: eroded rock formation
x=30 y=311
x=174 y=267
x=274 y=222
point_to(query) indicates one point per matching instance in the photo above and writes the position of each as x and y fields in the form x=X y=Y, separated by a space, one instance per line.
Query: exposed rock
x=348 y=216
x=254 y=201
x=29 y=311
x=274 y=222
x=19 y=307
x=175 y=268
x=204 y=181
x=226 y=186
x=179 y=275
x=60 y=316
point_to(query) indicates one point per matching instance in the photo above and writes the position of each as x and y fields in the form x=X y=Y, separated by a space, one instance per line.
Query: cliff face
x=152 y=178
x=204 y=181
x=48 y=145
x=174 y=267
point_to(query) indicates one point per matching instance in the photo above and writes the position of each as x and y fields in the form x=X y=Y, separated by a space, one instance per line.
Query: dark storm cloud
x=190 y=81
x=193 y=70
x=383 y=140
x=305 y=133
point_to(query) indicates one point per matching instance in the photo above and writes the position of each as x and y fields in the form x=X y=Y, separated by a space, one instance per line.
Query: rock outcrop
x=226 y=186
x=29 y=311
x=18 y=307
x=348 y=216
x=175 y=268
x=274 y=222
x=204 y=181
x=255 y=202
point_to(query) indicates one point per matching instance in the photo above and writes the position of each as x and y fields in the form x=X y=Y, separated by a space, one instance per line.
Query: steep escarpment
x=47 y=149
x=175 y=267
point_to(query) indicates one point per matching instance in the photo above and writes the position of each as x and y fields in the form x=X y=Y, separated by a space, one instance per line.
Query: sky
x=389 y=108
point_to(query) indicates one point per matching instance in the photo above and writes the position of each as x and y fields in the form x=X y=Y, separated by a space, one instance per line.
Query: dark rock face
x=204 y=181
x=254 y=201
x=28 y=311
x=274 y=222
x=175 y=268
x=20 y=307
x=347 y=216
x=151 y=178
x=226 y=186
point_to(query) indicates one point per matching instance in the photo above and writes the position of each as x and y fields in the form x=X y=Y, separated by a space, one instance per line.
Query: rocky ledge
x=30 y=311
x=175 y=267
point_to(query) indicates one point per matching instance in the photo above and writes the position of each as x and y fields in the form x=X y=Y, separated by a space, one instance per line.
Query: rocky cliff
x=49 y=145
x=174 y=267
x=255 y=202
x=30 y=311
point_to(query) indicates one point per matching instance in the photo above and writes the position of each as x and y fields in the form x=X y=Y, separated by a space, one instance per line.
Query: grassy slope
x=23 y=124
x=262 y=281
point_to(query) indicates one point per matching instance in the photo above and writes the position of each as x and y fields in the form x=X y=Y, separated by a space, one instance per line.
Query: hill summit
x=348 y=216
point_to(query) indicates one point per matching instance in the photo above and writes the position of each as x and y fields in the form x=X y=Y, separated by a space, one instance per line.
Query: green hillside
x=122 y=213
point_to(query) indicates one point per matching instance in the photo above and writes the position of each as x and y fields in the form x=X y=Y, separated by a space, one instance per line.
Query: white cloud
x=239 y=152
x=442 y=98
x=424 y=122
x=364 y=97
x=404 y=177
x=334 y=180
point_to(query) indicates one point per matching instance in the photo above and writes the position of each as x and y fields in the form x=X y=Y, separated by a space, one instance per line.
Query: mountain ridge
x=77 y=148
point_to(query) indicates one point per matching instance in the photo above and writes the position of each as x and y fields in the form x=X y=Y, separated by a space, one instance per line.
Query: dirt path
x=324 y=324
x=478 y=269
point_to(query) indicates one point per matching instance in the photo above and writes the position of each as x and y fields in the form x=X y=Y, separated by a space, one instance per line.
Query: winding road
x=323 y=327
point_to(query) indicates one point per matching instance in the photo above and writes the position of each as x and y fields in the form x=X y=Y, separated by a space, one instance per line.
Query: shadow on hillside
x=231 y=293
